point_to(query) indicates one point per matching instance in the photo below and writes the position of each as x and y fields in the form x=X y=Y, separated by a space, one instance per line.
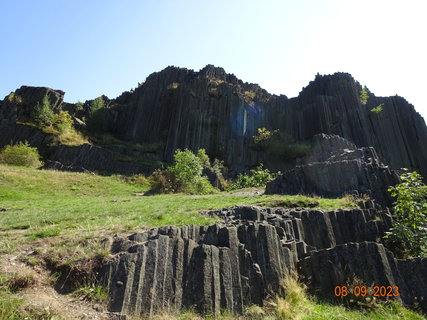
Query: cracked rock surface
x=241 y=260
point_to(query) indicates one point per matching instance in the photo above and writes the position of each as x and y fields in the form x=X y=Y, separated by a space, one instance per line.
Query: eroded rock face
x=214 y=110
x=20 y=105
x=240 y=261
x=91 y=158
x=335 y=167
x=211 y=109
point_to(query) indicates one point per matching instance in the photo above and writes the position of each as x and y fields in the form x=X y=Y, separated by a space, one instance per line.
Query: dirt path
x=246 y=192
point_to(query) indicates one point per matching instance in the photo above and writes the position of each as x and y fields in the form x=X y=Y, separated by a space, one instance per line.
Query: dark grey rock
x=214 y=110
x=87 y=157
x=181 y=108
x=334 y=171
x=241 y=261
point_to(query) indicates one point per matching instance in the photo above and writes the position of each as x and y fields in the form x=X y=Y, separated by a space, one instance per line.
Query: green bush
x=14 y=98
x=258 y=177
x=79 y=106
x=21 y=154
x=378 y=108
x=185 y=175
x=279 y=145
x=43 y=114
x=98 y=116
x=364 y=96
x=409 y=232
x=62 y=121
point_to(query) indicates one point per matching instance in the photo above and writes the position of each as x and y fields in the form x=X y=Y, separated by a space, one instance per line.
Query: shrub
x=378 y=108
x=263 y=135
x=364 y=96
x=408 y=234
x=258 y=177
x=14 y=98
x=163 y=181
x=79 y=106
x=21 y=154
x=185 y=175
x=98 y=116
x=43 y=114
x=62 y=121
x=279 y=145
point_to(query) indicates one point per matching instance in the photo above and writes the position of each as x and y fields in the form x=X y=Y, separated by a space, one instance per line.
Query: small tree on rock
x=43 y=114
x=364 y=96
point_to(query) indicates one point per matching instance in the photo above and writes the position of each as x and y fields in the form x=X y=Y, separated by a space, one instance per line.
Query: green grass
x=46 y=203
x=73 y=209
x=91 y=292
x=298 y=305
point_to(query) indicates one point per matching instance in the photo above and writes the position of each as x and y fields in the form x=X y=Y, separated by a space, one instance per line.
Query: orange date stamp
x=376 y=291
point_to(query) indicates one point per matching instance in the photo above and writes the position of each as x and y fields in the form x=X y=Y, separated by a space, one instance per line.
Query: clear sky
x=92 y=47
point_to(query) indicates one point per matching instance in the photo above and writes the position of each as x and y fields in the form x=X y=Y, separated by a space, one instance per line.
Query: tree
x=409 y=231
x=364 y=96
x=185 y=175
x=43 y=114
x=98 y=117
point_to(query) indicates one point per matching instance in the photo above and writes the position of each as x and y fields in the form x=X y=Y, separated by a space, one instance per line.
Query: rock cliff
x=335 y=167
x=240 y=261
x=182 y=108
x=214 y=110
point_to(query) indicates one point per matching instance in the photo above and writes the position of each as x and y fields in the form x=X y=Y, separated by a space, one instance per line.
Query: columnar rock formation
x=335 y=167
x=181 y=108
x=214 y=110
x=240 y=261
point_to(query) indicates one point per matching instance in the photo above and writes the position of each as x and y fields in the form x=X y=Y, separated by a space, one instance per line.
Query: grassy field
x=60 y=211
x=49 y=203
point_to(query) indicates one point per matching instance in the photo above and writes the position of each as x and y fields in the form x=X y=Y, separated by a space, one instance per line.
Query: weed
x=92 y=292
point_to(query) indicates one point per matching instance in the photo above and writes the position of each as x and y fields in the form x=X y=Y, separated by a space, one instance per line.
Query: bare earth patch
x=41 y=297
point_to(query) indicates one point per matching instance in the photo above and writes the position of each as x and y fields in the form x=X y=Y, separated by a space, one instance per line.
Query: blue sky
x=88 y=48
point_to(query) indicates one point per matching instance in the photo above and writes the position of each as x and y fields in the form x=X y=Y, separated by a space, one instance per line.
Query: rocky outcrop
x=368 y=264
x=18 y=106
x=92 y=158
x=16 y=111
x=11 y=133
x=335 y=167
x=211 y=109
x=214 y=110
x=240 y=261
x=207 y=268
